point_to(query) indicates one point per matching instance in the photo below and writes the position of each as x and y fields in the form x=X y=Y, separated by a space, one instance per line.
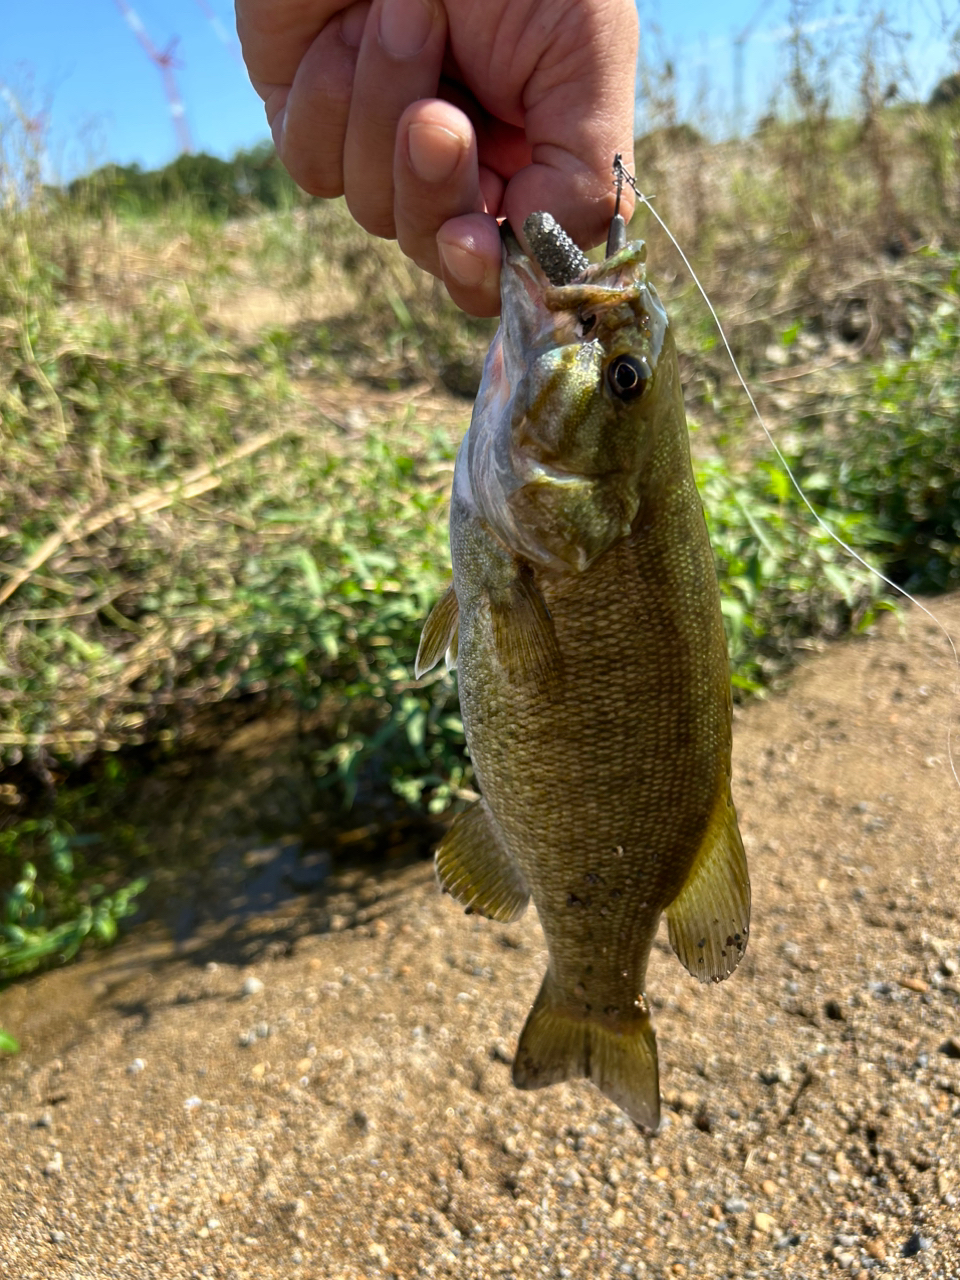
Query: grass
x=228 y=447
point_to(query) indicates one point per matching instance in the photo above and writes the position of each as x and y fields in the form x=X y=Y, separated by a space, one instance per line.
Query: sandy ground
x=340 y=1104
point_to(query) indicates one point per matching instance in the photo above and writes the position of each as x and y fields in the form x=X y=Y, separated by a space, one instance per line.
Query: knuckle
x=375 y=221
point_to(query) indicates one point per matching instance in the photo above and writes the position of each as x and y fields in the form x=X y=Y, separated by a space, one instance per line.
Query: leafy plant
x=783 y=579
x=51 y=908
x=896 y=460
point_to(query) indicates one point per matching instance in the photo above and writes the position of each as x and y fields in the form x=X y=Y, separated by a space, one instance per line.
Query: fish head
x=579 y=386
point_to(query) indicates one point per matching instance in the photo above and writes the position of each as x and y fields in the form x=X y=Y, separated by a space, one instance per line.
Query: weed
x=53 y=907
x=894 y=459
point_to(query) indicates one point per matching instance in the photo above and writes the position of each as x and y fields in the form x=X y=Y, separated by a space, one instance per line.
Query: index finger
x=276 y=34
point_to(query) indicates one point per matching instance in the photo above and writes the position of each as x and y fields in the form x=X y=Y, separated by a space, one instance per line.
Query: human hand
x=436 y=117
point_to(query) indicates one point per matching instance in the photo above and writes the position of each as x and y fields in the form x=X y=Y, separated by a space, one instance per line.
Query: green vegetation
x=899 y=460
x=249 y=182
x=54 y=906
x=227 y=449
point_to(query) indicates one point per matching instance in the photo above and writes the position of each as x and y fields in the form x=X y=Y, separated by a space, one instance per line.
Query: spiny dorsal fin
x=620 y=1059
x=709 y=920
x=439 y=633
x=474 y=866
x=524 y=635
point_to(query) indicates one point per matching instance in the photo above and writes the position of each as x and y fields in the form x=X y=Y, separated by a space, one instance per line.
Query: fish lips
x=538 y=313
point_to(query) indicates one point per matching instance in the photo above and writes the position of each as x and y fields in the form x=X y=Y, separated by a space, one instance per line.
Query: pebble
x=734 y=1204
x=135 y=1067
x=876 y=1249
x=763 y=1222
x=916 y=1244
x=252 y=986
x=769 y=1187
x=54 y=1165
x=789 y=1240
x=779 y=1073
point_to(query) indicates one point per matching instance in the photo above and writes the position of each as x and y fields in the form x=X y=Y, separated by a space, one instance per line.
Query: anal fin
x=709 y=920
x=473 y=865
x=620 y=1058
x=439 y=634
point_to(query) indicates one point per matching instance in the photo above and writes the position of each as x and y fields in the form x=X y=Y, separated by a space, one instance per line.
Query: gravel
x=353 y=1116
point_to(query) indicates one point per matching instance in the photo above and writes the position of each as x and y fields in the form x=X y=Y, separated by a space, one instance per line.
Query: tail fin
x=619 y=1056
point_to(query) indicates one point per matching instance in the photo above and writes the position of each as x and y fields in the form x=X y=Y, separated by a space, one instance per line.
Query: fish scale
x=584 y=618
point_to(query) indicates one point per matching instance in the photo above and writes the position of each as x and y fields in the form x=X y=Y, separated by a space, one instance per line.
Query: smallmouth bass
x=584 y=620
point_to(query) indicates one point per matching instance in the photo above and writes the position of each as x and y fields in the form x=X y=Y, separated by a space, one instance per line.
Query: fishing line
x=621 y=175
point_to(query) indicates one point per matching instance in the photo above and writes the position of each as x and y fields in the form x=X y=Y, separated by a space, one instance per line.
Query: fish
x=585 y=626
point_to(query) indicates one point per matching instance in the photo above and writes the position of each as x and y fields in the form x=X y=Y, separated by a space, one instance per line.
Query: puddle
x=242 y=828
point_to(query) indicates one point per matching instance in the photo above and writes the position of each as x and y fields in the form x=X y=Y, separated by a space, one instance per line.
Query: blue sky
x=80 y=62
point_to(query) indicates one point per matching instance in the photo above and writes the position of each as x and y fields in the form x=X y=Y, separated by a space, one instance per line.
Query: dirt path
x=342 y=1107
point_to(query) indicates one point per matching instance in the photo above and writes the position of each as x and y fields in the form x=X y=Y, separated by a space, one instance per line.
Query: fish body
x=584 y=619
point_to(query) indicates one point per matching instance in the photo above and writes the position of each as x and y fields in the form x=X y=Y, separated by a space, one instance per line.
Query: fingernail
x=352 y=23
x=405 y=26
x=434 y=151
x=464 y=267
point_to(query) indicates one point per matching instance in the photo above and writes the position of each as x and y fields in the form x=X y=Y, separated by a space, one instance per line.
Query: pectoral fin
x=709 y=920
x=473 y=866
x=620 y=1059
x=439 y=634
x=524 y=635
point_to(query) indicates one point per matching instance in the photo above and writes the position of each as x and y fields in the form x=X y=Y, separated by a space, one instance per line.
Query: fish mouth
x=553 y=296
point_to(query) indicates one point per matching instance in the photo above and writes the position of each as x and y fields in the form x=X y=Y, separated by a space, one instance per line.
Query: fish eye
x=628 y=376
